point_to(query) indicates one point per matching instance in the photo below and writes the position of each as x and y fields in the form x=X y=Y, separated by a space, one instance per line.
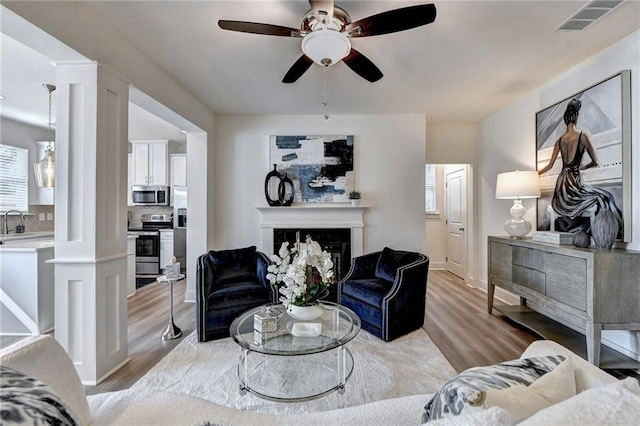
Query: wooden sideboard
x=587 y=290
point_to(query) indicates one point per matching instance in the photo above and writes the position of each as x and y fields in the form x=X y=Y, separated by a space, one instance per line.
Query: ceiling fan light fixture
x=326 y=47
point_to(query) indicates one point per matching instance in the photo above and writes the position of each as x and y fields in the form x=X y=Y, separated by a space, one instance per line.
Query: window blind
x=430 y=188
x=14 y=183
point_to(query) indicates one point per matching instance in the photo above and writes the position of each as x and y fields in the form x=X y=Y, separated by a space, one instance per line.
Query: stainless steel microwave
x=150 y=195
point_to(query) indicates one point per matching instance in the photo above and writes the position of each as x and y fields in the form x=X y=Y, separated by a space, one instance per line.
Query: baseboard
x=189 y=296
x=436 y=266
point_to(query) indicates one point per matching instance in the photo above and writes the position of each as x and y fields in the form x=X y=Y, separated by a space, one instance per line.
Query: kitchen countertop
x=29 y=245
x=26 y=236
x=31 y=241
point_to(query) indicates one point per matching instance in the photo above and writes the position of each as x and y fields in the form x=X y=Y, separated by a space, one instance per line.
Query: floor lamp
x=517 y=186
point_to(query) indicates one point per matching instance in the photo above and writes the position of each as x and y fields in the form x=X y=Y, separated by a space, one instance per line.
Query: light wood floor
x=148 y=316
x=456 y=320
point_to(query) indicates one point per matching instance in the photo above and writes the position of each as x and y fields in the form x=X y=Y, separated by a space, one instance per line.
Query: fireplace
x=339 y=228
x=336 y=241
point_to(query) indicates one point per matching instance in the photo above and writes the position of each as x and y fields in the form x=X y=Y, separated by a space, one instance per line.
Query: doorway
x=448 y=224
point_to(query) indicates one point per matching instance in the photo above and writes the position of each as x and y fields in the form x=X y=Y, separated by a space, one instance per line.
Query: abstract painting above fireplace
x=321 y=167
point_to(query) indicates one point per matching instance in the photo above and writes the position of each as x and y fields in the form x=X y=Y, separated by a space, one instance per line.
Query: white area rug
x=409 y=365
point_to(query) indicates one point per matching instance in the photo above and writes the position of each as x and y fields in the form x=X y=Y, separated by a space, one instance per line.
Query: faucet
x=6 y=220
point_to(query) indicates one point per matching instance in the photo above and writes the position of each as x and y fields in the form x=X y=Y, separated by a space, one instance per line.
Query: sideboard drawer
x=530 y=278
x=567 y=280
x=529 y=258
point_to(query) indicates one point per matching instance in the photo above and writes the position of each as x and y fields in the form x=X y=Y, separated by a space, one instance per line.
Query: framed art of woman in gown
x=582 y=143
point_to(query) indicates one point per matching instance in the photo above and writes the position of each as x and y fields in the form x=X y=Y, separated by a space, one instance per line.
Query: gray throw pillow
x=449 y=401
x=25 y=400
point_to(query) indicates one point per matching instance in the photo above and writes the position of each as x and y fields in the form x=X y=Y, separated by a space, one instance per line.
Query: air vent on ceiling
x=588 y=14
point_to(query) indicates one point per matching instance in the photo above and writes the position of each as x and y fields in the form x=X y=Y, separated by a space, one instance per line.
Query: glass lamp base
x=517 y=228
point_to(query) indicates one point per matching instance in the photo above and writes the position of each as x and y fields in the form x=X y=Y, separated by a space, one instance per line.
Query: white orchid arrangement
x=294 y=269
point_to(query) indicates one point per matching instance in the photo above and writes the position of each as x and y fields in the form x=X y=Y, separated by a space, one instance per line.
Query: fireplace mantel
x=314 y=216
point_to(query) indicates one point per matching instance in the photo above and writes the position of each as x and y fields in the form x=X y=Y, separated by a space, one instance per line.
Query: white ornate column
x=90 y=221
x=313 y=216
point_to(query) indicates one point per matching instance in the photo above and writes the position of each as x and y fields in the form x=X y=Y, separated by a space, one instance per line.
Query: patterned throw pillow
x=466 y=388
x=25 y=400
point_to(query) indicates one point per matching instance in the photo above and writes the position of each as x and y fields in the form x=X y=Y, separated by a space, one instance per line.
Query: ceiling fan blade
x=297 y=69
x=393 y=21
x=258 y=28
x=362 y=66
x=322 y=9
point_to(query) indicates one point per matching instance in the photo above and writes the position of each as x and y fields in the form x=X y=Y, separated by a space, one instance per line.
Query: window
x=14 y=183
x=430 y=188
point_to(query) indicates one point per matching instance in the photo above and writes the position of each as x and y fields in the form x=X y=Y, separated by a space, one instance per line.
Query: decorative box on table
x=553 y=237
x=266 y=320
x=172 y=270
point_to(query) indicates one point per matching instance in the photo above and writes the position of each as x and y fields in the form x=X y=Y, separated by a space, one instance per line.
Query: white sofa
x=43 y=358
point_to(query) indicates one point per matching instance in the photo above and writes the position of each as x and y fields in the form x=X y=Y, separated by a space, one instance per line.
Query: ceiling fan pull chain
x=324 y=91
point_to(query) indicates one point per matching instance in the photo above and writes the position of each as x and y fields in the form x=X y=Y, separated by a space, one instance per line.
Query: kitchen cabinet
x=178 y=169
x=586 y=290
x=131 y=265
x=27 y=279
x=150 y=162
x=129 y=179
x=166 y=247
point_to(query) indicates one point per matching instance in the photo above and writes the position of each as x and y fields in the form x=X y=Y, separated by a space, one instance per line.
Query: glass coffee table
x=281 y=366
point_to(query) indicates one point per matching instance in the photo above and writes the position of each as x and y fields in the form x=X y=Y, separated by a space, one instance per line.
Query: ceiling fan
x=326 y=31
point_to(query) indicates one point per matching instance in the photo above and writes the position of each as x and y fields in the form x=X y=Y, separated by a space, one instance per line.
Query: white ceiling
x=477 y=57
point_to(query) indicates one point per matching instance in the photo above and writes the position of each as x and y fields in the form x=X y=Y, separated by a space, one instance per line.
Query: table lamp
x=517 y=186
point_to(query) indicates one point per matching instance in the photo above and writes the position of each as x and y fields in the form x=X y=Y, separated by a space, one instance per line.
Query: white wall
x=452 y=143
x=389 y=159
x=508 y=143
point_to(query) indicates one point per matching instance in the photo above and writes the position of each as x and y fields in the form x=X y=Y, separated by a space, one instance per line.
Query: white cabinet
x=178 y=169
x=131 y=265
x=150 y=162
x=129 y=178
x=166 y=247
x=27 y=279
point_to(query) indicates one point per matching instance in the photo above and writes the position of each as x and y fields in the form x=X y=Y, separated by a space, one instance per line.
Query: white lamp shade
x=518 y=185
x=326 y=47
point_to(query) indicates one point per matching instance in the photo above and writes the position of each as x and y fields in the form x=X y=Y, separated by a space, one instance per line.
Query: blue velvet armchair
x=387 y=289
x=228 y=283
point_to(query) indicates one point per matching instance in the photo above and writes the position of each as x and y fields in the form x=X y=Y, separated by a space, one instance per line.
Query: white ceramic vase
x=355 y=202
x=305 y=312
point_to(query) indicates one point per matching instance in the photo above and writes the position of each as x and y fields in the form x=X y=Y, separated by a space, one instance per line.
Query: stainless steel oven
x=147 y=252
x=148 y=242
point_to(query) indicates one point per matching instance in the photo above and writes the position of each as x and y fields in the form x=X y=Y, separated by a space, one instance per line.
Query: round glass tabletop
x=337 y=326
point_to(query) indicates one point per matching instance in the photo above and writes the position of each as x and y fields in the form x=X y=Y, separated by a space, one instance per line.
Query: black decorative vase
x=581 y=239
x=272 y=186
x=286 y=191
x=604 y=229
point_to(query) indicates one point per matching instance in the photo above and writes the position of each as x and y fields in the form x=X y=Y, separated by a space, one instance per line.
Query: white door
x=456 y=199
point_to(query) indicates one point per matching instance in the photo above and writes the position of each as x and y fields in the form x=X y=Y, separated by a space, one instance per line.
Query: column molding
x=91 y=228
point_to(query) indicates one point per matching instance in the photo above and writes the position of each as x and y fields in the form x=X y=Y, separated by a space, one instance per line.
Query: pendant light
x=45 y=169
